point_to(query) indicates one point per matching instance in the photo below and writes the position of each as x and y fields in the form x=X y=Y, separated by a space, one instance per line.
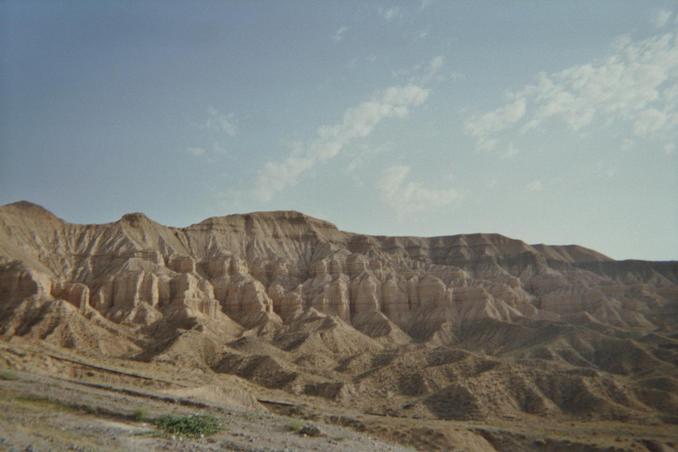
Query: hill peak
x=278 y=216
x=135 y=218
x=27 y=208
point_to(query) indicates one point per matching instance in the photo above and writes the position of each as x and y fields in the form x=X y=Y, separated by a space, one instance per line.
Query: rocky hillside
x=460 y=326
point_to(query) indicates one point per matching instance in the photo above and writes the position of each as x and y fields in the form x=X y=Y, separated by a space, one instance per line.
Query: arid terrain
x=275 y=319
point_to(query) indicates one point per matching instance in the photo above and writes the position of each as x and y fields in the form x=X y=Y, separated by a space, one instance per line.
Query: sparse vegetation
x=8 y=375
x=42 y=402
x=193 y=425
x=295 y=425
x=310 y=430
x=303 y=428
x=140 y=414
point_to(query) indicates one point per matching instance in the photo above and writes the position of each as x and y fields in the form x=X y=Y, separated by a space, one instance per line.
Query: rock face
x=323 y=297
x=273 y=266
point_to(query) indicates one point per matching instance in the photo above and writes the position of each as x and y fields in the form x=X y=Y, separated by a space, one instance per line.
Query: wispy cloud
x=535 y=185
x=339 y=34
x=649 y=121
x=421 y=34
x=216 y=128
x=662 y=18
x=360 y=156
x=361 y=62
x=425 y=4
x=218 y=121
x=636 y=85
x=390 y=14
x=603 y=170
x=510 y=152
x=406 y=197
x=485 y=127
x=425 y=73
x=330 y=140
x=196 y=151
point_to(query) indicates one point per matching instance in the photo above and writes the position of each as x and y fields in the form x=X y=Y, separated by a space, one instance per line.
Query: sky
x=549 y=122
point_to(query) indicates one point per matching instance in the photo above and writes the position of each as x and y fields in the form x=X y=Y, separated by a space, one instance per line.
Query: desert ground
x=61 y=401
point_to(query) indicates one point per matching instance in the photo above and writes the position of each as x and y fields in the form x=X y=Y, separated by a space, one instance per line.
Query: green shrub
x=303 y=428
x=193 y=425
x=295 y=425
x=310 y=430
x=140 y=414
x=8 y=375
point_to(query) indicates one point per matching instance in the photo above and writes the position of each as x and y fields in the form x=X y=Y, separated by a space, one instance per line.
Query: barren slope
x=466 y=327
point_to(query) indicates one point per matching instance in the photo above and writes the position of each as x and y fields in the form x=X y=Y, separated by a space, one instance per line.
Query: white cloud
x=407 y=197
x=648 y=122
x=339 y=34
x=669 y=149
x=436 y=64
x=425 y=73
x=604 y=170
x=421 y=34
x=535 y=185
x=330 y=140
x=360 y=156
x=510 y=152
x=454 y=75
x=636 y=85
x=390 y=14
x=483 y=128
x=662 y=18
x=361 y=61
x=221 y=122
x=276 y=176
x=196 y=152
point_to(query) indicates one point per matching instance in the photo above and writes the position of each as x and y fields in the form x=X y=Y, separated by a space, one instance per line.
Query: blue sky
x=553 y=122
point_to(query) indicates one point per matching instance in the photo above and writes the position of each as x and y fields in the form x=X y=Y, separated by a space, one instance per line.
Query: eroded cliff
x=289 y=301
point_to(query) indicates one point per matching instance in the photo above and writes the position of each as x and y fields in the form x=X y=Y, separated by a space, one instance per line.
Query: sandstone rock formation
x=292 y=302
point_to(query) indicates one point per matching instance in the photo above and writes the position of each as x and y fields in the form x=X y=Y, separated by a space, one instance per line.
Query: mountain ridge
x=287 y=215
x=419 y=326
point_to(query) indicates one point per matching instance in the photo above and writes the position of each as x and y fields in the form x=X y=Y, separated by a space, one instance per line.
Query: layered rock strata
x=271 y=267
